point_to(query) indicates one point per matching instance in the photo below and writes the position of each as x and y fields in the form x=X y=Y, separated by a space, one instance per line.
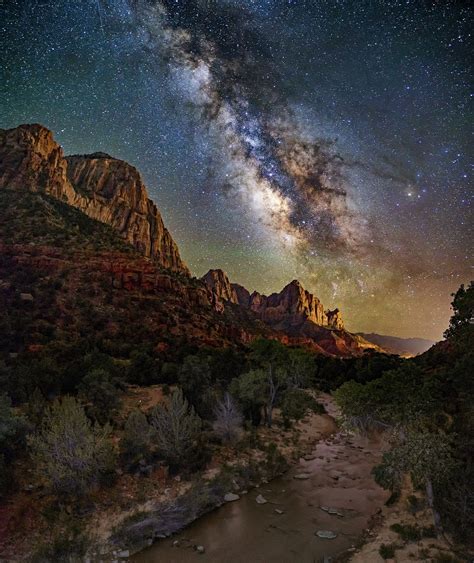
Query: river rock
x=261 y=500
x=200 y=549
x=326 y=534
x=123 y=554
x=301 y=476
x=278 y=511
x=229 y=497
x=335 y=512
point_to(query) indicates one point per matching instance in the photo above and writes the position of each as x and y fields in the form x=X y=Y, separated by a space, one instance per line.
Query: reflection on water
x=246 y=532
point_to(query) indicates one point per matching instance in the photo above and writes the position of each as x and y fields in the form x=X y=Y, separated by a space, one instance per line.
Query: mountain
x=87 y=261
x=400 y=346
x=218 y=281
x=294 y=312
x=104 y=188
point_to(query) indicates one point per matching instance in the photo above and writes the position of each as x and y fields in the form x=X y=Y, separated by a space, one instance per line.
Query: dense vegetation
x=72 y=348
x=427 y=407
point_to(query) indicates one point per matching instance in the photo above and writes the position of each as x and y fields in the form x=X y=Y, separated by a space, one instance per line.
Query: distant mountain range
x=400 y=346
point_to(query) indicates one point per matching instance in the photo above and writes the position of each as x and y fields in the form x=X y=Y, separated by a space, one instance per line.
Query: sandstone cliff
x=292 y=307
x=217 y=281
x=104 y=188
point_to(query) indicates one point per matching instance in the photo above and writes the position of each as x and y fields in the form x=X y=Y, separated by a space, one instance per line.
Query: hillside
x=401 y=346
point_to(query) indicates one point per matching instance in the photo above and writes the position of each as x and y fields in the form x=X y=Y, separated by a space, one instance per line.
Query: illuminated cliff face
x=106 y=189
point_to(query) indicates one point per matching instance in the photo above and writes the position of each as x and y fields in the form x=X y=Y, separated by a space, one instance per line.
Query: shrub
x=99 y=390
x=406 y=532
x=70 y=452
x=296 y=403
x=228 y=423
x=136 y=440
x=178 y=429
x=387 y=551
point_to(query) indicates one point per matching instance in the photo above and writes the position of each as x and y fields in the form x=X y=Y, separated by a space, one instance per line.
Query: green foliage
x=461 y=323
x=380 y=399
x=296 y=403
x=407 y=532
x=99 y=391
x=70 y=452
x=387 y=551
x=137 y=436
x=177 y=433
x=428 y=457
x=45 y=220
x=144 y=369
x=259 y=389
x=194 y=378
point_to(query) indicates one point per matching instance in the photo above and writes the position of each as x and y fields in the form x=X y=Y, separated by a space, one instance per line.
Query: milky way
x=311 y=139
x=289 y=180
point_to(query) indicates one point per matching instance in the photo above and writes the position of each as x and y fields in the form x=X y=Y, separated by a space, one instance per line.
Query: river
x=337 y=476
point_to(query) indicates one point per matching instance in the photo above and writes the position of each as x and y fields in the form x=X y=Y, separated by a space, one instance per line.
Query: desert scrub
x=387 y=551
x=406 y=532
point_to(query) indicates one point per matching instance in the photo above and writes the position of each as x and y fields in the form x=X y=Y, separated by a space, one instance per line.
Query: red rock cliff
x=104 y=188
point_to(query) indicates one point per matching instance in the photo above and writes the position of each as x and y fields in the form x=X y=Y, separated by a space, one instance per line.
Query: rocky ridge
x=291 y=307
x=294 y=313
x=104 y=188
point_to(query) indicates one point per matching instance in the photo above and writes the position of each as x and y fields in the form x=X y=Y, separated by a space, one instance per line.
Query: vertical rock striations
x=218 y=282
x=104 y=188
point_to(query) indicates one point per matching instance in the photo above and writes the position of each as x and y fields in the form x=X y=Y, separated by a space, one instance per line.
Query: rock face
x=217 y=281
x=290 y=308
x=335 y=319
x=293 y=305
x=104 y=188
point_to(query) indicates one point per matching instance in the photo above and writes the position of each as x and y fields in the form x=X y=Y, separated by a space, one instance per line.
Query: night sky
x=327 y=141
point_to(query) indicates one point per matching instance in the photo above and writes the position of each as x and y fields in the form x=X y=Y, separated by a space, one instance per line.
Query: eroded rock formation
x=104 y=188
x=217 y=281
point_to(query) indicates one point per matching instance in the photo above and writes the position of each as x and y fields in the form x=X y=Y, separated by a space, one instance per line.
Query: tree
x=228 y=423
x=99 y=390
x=143 y=368
x=177 y=429
x=260 y=389
x=426 y=456
x=301 y=368
x=273 y=357
x=70 y=452
x=136 y=439
x=194 y=378
x=463 y=307
x=296 y=403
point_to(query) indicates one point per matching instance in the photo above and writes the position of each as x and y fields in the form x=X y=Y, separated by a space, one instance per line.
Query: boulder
x=326 y=534
x=302 y=476
x=230 y=497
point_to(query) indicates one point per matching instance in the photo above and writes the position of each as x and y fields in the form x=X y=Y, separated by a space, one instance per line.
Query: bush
x=387 y=551
x=178 y=430
x=136 y=440
x=99 y=390
x=296 y=403
x=70 y=452
x=228 y=423
x=406 y=532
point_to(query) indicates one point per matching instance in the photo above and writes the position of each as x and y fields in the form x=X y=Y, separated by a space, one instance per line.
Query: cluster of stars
x=384 y=86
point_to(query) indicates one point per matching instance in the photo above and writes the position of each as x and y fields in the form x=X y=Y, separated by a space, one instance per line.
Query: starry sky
x=324 y=140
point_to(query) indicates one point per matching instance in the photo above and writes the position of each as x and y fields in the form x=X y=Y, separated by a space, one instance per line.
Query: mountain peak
x=218 y=281
x=106 y=189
